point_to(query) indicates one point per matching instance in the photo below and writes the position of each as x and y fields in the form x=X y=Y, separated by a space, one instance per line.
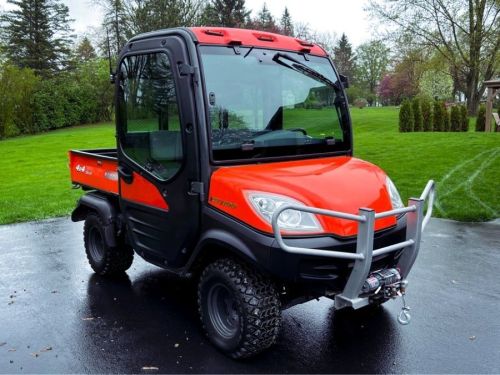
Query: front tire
x=103 y=259
x=239 y=308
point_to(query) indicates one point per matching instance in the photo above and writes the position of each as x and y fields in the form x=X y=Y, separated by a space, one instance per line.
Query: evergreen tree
x=37 y=35
x=406 y=119
x=481 y=119
x=85 y=51
x=438 y=120
x=426 y=115
x=344 y=58
x=286 y=23
x=446 y=117
x=464 y=119
x=116 y=25
x=417 y=115
x=265 y=20
x=227 y=13
x=455 y=119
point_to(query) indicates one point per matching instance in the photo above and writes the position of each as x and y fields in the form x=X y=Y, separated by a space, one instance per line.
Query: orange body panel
x=143 y=192
x=94 y=172
x=254 y=38
x=335 y=183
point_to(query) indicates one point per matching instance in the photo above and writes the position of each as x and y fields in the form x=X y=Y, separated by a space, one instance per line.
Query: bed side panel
x=94 y=171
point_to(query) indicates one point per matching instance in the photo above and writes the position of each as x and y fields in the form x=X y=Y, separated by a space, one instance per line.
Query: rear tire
x=239 y=308
x=103 y=259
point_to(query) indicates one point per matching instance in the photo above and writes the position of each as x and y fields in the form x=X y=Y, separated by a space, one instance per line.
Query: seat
x=165 y=145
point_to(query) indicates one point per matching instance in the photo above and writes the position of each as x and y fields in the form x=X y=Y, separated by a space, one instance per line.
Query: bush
x=455 y=119
x=425 y=105
x=417 y=115
x=446 y=117
x=438 y=119
x=481 y=119
x=406 y=118
x=30 y=105
x=464 y=119
x=17 y=86
x=361 y=103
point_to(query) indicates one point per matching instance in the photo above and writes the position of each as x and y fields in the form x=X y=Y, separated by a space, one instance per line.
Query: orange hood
x=335 y=183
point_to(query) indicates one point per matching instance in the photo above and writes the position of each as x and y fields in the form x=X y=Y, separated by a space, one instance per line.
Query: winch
x=389 y=281
x=380 y=279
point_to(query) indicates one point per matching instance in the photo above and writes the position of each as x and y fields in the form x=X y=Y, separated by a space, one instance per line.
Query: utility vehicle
x=234 y=166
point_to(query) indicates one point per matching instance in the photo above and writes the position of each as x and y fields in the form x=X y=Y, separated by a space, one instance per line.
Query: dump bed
x=95 y=169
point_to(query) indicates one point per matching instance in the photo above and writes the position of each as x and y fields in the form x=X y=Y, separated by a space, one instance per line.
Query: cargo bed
x=95 y=169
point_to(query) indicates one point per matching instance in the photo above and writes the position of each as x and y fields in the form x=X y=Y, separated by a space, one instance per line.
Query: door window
x=149 y=115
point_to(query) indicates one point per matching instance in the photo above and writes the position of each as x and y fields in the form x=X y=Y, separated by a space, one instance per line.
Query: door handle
x=126 y=174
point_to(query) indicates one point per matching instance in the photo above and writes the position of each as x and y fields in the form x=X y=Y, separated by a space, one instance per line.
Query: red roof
x=255 y=38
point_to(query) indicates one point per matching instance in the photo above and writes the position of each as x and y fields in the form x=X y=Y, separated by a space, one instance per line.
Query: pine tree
x=116 y=25
x=344 y=58
x=417 y=115
x=37 y=35
x=227 y=13
x=265 y=20
x=286 y=23
x=85 y=51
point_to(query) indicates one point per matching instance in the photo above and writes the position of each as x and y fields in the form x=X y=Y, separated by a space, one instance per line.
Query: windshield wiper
x=303 y=68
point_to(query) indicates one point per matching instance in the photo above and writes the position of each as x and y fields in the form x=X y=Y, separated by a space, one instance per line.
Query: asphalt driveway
x=56 y=316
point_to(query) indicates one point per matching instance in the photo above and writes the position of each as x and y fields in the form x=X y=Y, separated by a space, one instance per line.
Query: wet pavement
x=56 y=316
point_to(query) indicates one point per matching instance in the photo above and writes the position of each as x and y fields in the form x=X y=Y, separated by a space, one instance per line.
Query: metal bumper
x=416 y=222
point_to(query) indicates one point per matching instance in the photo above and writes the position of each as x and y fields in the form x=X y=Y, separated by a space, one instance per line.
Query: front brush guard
x=416 y=222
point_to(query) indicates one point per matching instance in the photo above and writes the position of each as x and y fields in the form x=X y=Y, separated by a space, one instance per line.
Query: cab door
x=157 y=150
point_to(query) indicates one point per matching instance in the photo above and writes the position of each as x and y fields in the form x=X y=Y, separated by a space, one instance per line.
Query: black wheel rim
x=223 y=310
x=96 y=245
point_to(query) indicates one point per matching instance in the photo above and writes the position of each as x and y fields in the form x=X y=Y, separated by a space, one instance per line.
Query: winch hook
x=404 y=316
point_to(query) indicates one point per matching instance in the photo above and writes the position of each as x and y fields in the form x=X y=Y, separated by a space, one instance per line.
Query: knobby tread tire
x=259 y=306
x=116 y=259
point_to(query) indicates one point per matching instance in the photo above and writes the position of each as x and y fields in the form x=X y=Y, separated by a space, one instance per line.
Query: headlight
x=394 y=194
x=265 y=204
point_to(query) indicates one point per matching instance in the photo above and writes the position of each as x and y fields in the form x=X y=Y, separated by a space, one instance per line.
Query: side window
x=149 y=115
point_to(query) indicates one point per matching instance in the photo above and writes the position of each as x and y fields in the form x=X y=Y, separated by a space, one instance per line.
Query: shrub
x=426 y=114
x=406 y=118
x=417 y=115
x=446 y=117
x=361 y=103
x=438 y=120
x=30 y=105
x=17 y=86
x=481 y=119
x=455 y=119
x=464 y=119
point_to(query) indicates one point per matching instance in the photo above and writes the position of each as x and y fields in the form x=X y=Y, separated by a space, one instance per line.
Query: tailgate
x=95 y=169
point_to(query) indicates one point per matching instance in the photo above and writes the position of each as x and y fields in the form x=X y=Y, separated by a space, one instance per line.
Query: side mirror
x=344 y=80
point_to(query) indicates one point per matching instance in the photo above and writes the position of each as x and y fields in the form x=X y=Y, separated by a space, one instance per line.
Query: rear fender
x=102 y=205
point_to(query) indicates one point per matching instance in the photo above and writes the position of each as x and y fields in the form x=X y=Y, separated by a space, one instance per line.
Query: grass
x=34 y=177
x=34 y=173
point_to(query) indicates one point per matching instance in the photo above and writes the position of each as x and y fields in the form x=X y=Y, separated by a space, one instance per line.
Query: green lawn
x=34 y=176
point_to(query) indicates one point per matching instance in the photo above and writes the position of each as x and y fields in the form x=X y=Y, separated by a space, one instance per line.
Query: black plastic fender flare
x=100 y=204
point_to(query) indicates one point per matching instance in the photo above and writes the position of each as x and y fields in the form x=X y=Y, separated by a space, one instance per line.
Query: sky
x=334 y=16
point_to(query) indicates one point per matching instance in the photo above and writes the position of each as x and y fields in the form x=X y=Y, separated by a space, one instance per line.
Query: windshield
x=264 y=103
